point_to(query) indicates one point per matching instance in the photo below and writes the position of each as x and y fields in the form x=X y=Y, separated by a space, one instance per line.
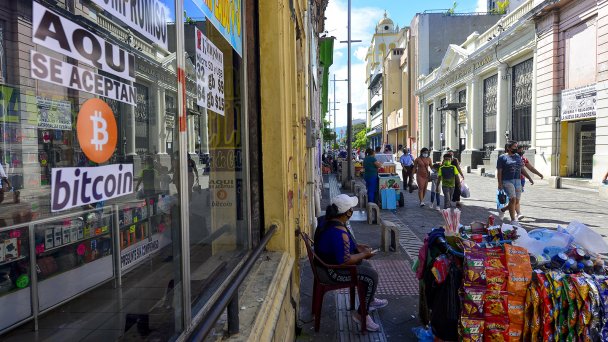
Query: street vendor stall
x=486 y=282
x=389 y=186
x=388 y=163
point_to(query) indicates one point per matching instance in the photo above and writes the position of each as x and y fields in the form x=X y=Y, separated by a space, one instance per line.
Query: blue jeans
x=372 y=186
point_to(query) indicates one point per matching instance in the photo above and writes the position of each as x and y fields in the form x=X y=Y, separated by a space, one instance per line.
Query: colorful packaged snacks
x=495 y=305
x=516 y=332
x=515 y=308
x=440 y=268
x=496 y=330
x=519 y=268
x=496 y=279
x=474 y=269
x=494 y=234
x=472 y=303
x=472 y=330
x=546 y=308
x=532 y=324
x=495 y=258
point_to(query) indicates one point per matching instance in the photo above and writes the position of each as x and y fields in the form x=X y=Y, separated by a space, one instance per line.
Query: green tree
x=501 y=7
x=361 y=138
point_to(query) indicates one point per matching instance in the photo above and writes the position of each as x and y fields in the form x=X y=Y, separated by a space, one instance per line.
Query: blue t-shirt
x=369 y=166
x=333 y=245
x=407 y=159
x=510 y=165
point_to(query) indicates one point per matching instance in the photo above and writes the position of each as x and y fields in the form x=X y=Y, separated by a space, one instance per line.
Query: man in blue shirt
x=407 y=171
x=509 y=168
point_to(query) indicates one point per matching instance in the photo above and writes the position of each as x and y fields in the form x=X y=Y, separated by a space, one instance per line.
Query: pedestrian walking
x=527 y=165
x=407 y=169
x=370 y=167
x=447 y=179
x=435 y=190
x=422 y=166
x=509 y=168
x=605 y=180
x=459 y=179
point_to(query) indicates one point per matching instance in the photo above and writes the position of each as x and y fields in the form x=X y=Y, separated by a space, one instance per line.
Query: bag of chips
x=471 y=330
x=495 y=305
x=474 y=267
x=495 y=258
x=520 y=270
x=532 y=321
x=472 y=302
x=496 y=330
x=546 y=307
x=496 y=279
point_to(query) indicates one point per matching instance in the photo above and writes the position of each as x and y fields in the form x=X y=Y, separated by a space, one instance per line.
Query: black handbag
x=502 y=197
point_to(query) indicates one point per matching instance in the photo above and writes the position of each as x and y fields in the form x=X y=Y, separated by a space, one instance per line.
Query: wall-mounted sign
x=579 y=103
x=147 y=17
x=130 y=257
x=49 y=69
x=226 y=17
x=54 y=114
x=209 y=74
x=77 y=186
x=61 y=35
x=96 y=130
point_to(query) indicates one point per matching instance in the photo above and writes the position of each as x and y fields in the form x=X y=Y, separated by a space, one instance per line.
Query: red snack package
x=495 y=305
x=472 y=302
x=496 y=330
x=496 y=279
x=495 y=258
x=546 y=307
x=516 y=332
x=471 y=330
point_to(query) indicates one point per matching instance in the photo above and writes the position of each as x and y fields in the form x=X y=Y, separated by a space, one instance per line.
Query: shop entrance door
x=584 y=148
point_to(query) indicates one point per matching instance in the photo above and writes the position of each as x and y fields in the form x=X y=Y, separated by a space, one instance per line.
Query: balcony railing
x=505 y=22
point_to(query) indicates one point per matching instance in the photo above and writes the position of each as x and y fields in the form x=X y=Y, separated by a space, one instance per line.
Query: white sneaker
x=422 y=204
x=377 y=303
x=370 y=325
x=519 y=217
x=501 y=215
x=432 y=205
x=515 y=223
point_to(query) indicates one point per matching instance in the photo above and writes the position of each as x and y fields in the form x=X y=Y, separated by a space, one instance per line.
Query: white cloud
x=360 y=53
x=482 y=6
x=364 y=20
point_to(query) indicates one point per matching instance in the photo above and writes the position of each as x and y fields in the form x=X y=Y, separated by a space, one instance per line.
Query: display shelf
x=71 y=243
x=6 y=262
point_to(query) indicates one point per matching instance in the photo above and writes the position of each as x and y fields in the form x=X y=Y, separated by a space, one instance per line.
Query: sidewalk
x=397 y=283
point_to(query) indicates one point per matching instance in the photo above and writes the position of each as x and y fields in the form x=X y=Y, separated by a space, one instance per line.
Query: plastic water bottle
x=552 y=251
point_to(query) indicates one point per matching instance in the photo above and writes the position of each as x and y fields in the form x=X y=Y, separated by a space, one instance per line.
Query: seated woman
x=335 y=245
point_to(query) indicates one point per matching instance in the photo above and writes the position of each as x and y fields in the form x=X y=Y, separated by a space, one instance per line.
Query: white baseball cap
x=344 y=202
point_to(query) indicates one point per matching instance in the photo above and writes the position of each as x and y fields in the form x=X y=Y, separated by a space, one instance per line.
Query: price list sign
x=209 y=74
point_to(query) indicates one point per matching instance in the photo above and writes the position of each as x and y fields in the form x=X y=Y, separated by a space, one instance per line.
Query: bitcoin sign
x=96 y=129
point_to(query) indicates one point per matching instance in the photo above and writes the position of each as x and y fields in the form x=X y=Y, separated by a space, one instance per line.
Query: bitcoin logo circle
x=96 y=130
x=222 y=195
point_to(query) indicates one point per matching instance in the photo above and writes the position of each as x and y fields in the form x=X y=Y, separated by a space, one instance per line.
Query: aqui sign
x=225 y=15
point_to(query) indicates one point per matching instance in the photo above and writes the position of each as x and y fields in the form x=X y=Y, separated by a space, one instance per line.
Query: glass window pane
x=87 y=113
x=218 y=227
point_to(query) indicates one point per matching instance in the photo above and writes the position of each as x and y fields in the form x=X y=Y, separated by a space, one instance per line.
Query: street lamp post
x=335 y=80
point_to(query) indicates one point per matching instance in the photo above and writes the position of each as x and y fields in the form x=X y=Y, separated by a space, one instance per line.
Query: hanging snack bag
x=496 y=330
x=516 y=312
x=474 y=270
x=532 y=321
x=496 y=279
x=595 y=325
x=546 y=307
x=570 y=295
x=584 y=304
x=471 y=330
x=472 y=303
x=519 y=268
x=495 y=258
x=495 y=305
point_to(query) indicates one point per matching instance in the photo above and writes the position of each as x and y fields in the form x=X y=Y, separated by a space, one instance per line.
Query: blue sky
x=365 y=15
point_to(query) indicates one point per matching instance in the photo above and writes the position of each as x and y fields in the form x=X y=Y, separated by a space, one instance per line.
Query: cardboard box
x=11 y=248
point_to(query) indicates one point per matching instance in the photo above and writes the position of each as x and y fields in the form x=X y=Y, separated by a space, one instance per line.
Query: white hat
x=344 y=202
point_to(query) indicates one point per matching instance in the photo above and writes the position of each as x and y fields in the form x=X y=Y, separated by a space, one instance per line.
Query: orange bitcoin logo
x=96 y=129
x=222 y=195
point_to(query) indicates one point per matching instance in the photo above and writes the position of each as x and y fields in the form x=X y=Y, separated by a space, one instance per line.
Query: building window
x=490 y=92
x=142 y=119
x=462 y=96
x=431 y=131
x=521 y=119
x=442 y=114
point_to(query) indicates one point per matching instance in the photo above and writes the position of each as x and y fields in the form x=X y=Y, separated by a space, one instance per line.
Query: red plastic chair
x=319 y=288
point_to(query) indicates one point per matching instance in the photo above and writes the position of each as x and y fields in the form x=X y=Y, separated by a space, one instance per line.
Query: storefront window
x=442 y=115
x=219 y=234
x=521 y=122
x=90 y=225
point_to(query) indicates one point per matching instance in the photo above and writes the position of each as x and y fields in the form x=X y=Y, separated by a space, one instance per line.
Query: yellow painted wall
x=284 y=108
x=563 y=160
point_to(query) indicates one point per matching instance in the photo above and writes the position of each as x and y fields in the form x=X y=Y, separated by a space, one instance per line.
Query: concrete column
x=476 y=114
x=130 y=131
x=424 y=123
x=469 y=131
x=502 y=107
x=452 y=122
x=533 y=117
x=161 y=129
x=436 y=125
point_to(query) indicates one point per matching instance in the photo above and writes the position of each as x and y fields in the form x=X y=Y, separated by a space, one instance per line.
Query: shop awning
x=374 y=131
x=452 y=106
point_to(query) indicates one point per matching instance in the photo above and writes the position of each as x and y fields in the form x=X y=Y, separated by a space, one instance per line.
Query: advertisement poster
x=209 y=74
x=54 y=114
x=226 y=17
x=579 y=103
x=77 y=186
x=146 y=17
